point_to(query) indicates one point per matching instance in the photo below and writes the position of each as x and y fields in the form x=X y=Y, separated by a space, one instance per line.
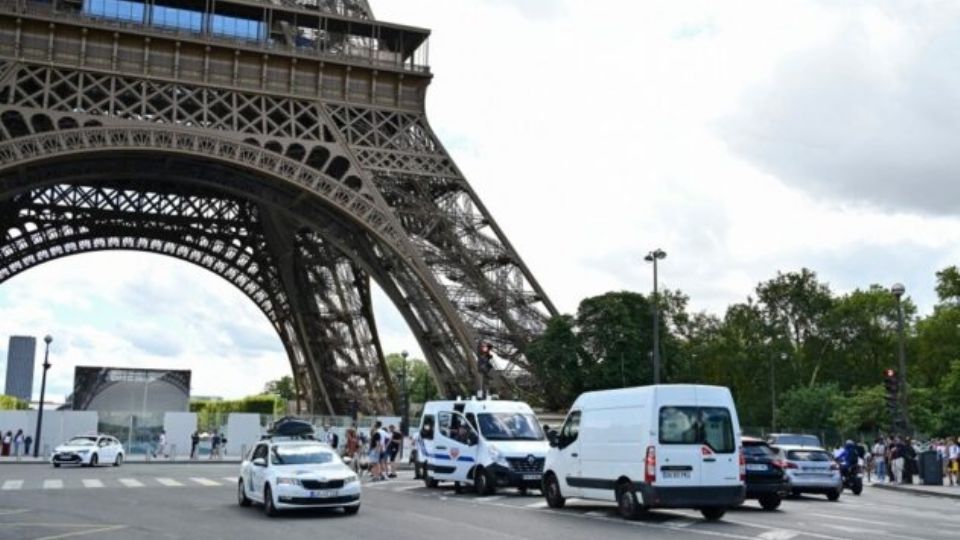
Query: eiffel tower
x=281 y=144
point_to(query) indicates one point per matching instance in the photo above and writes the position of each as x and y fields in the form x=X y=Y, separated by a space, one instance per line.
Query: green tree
x=809 y=407
x=615 y=331
x=555 y=358
x=283 y=387
x=862 y=412
x=420 y=383
x=948 y=285
x=11 y=403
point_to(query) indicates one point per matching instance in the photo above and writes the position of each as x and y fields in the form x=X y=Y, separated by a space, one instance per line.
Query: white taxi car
x=89 y=451
x=290 y=474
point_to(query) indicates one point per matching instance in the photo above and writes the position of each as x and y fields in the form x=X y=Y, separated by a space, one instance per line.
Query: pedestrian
x=330 y=437
x=393 y=449
x=161 y=444
x=374 y=454
x=953 y=459
x=351 y=449
x=215 y=445
x=384 y=453
x=897 y=458
x=890 y=444
x=18 y=444
x=27 y=442
x=940 y=445
x=194 y=444
x=7 y=440
x=909 y=461
x=879 y=453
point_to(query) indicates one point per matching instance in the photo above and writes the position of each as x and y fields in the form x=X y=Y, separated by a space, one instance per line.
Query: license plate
x=676 y=475
x=531 y=477
x=322 y=494
x=756 y=467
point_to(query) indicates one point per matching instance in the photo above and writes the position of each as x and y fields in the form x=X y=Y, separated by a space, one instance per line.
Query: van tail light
x=743 y=465
x=650 y=466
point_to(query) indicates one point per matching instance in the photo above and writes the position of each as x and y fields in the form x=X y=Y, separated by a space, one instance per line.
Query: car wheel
x=56 y=465
x=94 y=460
x=523 y=491
x=429 y=482
x=713 y=514
x=118 y=461
x=242 y=498
x=483 y=483
x=268 y=507
x=833 y=495
x=857 y=489
x=627 y=503
x=351 y=510
x=551 y=492
x=770 y=502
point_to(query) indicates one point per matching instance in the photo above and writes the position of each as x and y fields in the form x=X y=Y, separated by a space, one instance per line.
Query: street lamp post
x=898 y=291
x=653 y=257
x=405 y=407
x=43 y=394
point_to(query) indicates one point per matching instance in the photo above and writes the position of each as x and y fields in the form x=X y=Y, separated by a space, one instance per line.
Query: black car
x=766 y=480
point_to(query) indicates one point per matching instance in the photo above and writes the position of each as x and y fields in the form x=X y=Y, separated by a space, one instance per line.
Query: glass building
x=21 y=354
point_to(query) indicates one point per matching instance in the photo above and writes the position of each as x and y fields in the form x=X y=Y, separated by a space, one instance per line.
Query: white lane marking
x=131 y=482
x=53 y=484
x=777 y=535
x=12 y=512
x=169 y=482
x=205 y=481
x=406 y=488
x=597 y=513
x=231 y=479
x=684 y=522
x=848 y=518
x=488 y=499
x=92 y=483
x=538 y=504
x=12 y=484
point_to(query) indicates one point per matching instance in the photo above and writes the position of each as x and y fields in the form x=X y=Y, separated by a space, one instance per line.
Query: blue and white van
x=481 y=443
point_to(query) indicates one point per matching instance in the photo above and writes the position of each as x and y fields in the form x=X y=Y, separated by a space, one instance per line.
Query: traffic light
x=892 y=384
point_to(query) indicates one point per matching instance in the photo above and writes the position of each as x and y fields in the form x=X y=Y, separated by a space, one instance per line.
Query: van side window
x=710 y=426
x=570 y=429
x=472 y=420
x=445 y=421
x=426 y=427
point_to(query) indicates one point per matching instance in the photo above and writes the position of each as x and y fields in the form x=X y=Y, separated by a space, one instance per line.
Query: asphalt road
x=198 y=501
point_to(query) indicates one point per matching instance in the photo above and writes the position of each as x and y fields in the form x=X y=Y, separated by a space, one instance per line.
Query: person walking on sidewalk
x=18 y=444
x=879 y=453
x=897 y=455
x=27 y=442
x=953 y=459
x=194 y=444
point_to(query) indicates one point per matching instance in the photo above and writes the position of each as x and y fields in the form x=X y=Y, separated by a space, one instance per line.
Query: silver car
x=811 y=470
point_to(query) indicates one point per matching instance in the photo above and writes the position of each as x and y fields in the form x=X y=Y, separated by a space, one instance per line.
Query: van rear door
x=721 y=462
x=679 y=453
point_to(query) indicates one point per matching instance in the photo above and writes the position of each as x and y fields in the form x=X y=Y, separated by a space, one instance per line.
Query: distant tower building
x=20 y=357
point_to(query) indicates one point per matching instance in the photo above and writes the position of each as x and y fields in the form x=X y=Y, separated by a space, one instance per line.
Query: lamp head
x=404 y=354
x=898 y=289
x=47 y=339
x=655 y=254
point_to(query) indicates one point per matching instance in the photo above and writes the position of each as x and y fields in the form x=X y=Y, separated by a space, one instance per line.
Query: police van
x=665 y=446
x=481 y=443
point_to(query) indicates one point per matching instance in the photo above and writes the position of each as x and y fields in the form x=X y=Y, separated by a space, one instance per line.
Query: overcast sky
x=742 y=137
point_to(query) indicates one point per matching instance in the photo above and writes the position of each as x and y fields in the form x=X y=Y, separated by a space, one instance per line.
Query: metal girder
x=301 y=194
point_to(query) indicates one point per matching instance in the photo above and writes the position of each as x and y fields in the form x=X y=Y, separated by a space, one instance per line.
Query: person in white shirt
x=161 y=445
x=879 y=452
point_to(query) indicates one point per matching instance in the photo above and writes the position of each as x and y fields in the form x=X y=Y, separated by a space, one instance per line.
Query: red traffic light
x=889 y=373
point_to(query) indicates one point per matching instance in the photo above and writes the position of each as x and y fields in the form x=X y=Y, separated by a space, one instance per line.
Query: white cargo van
x=482 y=443
x=667 y=446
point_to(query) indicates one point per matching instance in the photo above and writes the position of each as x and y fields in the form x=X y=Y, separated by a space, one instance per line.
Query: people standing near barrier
x=26 y=443
x=330 y=437
x=374 y=455
x=879 y=453
x=194 y=444
x=7 y=440
x=897 y=455
x=351 y=449
x=393 y=450
x=909 y=461
x=161 y=445
x=215 y=445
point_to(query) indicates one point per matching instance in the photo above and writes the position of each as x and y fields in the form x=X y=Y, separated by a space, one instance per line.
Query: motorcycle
x=853 y=478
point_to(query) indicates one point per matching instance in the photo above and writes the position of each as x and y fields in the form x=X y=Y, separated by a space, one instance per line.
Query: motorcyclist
x=849 y=457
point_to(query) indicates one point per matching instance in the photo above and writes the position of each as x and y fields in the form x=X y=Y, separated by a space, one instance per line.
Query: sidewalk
x=950 y=492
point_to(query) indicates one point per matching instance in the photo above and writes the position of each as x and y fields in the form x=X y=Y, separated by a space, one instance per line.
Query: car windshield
x=510 y=427
x=82 y=441
x=798 y=440
x=758 y=450
x=808 y=455
x=301 y=455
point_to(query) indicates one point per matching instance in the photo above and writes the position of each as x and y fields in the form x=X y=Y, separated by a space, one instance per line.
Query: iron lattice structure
x=282 y=145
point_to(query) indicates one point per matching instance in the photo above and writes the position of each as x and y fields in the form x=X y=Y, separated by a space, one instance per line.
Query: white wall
x=58 y=426
x=179 y=426
x=243 y=430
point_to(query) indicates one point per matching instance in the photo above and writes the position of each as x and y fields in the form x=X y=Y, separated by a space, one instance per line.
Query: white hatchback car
x=89 y=451
x=289 y=474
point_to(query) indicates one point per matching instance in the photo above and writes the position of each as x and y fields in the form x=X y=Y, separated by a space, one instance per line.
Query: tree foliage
x=283 y=387
x=11 y=403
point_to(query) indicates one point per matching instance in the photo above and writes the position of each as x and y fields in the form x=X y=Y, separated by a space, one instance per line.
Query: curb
x=917 y=491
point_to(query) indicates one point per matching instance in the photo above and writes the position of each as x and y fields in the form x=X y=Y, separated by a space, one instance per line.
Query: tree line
x=823 y=352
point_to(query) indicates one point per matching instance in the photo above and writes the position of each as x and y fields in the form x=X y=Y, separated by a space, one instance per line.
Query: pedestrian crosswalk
x=115 y=483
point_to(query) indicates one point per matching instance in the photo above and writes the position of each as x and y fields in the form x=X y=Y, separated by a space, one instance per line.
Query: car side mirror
x=259 y=462
x=554 y=438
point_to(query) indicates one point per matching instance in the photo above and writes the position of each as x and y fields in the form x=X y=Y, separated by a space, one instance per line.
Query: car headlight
x=350 y=479
x=288 y=482
x=83 y=452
